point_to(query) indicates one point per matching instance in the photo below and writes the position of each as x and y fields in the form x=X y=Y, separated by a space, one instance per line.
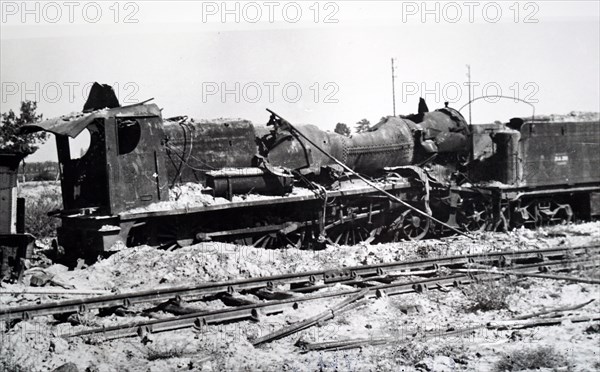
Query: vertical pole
x=20 y=215
x=157 y=173
x=469 y=84
x=393 y=88
x=471 y=155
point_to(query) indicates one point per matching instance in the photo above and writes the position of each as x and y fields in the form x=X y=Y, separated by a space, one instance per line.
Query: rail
x=256 y=311
x=308 y=279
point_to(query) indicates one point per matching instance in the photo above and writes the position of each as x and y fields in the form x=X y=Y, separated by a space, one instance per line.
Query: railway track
x=302 y=282
x=257 y=311
x=370 y=281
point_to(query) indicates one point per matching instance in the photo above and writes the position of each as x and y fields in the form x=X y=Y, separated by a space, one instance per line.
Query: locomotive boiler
x=219 y=149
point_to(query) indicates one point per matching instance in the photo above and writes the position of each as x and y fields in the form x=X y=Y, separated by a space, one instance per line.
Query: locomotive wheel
x=269 y=240
x=473 y=216
x=349 y=234
x=274 y=240
x=410 y=225
x=538 y=213
x=266 y=241
x=300 y=238
x=565 y=214
x=525 y=216
x=553 y=213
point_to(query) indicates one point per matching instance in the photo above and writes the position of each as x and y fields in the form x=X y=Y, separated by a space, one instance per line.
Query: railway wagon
x=540 y=172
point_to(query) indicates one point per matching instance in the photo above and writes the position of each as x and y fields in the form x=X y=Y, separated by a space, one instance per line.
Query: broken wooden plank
x=343 y=344
x=562 y=277
x=499 y=325
x=535 y=275
x=53 y=291
x=553 y=311
x=299 y=326
x=518 y=324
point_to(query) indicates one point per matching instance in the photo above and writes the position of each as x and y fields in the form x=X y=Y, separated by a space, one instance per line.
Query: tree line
x=361 y=126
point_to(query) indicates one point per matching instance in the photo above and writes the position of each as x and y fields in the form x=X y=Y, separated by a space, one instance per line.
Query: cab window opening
x=128 y=135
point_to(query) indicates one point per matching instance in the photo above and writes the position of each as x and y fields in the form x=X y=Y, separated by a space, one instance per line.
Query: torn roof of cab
x=73 y=124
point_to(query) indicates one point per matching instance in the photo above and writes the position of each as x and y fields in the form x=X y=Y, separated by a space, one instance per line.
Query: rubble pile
x=147 y=267
x=37 y=344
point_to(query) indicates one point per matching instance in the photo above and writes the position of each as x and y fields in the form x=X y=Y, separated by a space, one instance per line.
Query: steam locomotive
x=287 y=185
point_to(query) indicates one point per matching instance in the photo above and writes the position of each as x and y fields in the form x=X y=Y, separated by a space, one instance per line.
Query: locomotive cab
x=123 y=167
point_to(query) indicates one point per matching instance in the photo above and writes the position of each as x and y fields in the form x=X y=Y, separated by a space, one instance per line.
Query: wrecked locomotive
x=287 y=185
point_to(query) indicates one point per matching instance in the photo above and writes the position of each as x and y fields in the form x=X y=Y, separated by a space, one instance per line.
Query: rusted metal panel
x=441 y=131
x=8 y=200
x=194 y=148
x=14 y=245
x=543 y=154
x=72 y=125
x=556 y=153
x=116 y=172
x=13 y=249
x=387 y=144
x=595 y=203
x=291 y=151
x=88 y=236
x=482 y=143
x=9 y=165
x=66 y=125
x=508 y=170
x=135 y=164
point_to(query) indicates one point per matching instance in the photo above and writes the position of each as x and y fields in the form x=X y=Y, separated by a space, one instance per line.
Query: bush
x=414 y=353
x=37 y=221
x=490 y=294
x=44 y=175
x=165 y=351
x=542 y=357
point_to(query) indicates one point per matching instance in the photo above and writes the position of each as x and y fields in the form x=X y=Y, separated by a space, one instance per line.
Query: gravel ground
x=36 y=345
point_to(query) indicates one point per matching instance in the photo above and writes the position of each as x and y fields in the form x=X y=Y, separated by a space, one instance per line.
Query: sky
x=311 y=62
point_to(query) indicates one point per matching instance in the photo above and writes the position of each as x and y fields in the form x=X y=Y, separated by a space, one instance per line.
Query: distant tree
x=10 y=139
x=39 y=171
x=342 y=129
x=362 y=126
x=44 y=175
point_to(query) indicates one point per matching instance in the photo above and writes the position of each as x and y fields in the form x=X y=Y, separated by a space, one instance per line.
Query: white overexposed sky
x=333 y=58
